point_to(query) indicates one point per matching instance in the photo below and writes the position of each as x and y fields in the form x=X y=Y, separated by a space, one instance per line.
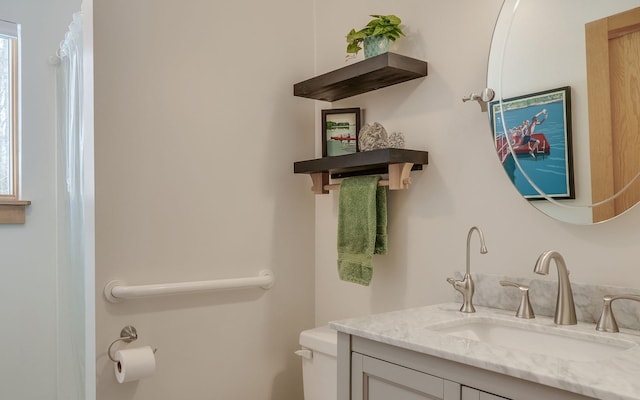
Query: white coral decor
x=396 y=140
x=372 y=137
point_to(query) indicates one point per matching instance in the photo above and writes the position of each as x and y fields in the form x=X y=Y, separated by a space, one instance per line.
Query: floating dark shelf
x=362 y=163
x=373 y=73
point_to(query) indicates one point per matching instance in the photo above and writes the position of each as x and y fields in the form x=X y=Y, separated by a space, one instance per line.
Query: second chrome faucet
x=466 y=285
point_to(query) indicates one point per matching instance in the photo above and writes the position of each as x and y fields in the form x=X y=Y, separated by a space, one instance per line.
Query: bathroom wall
x=28 y=273
x=463 y=185
x=196 y=131
x=186 y=194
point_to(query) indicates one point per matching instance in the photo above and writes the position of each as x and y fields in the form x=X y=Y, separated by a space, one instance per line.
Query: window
x=12 y=210
x=8 y=110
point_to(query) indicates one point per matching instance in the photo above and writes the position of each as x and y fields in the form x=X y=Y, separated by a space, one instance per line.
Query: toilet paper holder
x=128 y=334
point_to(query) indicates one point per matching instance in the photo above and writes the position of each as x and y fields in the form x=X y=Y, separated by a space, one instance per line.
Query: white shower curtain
x=71 y=217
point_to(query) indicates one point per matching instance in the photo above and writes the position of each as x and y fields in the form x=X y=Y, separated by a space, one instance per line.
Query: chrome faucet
x=565 y=307
x=607 y=322
x=466 y=285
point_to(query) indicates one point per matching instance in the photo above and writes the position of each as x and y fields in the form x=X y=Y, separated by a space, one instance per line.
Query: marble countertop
x=611 y=378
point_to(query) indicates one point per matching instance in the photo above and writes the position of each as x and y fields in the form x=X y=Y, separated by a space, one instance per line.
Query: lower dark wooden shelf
x=396 y=162
x=362 y=162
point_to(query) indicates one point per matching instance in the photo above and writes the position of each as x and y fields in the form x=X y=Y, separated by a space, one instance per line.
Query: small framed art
x=340 y=129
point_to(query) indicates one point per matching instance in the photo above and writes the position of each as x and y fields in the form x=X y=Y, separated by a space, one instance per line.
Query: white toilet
x=319 y=364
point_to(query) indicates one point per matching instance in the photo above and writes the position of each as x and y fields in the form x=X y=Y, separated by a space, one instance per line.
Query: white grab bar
x=116 y=291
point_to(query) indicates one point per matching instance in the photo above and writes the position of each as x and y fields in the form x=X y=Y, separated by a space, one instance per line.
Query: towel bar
x=398 y=179
x=382 y=182
x=116 y=291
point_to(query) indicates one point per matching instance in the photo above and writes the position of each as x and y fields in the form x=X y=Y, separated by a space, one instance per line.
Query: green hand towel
x=362 y=227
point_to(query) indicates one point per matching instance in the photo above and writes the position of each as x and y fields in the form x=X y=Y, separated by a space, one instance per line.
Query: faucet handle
x=524 y=309
x=607 y=321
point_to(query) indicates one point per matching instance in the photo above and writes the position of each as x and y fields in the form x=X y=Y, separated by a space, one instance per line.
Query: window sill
x=13 y=211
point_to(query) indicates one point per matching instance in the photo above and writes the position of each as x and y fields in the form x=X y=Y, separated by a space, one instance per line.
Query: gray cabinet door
x=373 y=379
x=475 y=394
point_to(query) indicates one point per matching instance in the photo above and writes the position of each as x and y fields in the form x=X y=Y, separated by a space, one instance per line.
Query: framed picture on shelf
x=340 y=129
x=532 y=134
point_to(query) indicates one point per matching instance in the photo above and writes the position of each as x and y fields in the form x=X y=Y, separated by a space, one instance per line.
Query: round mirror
x=566 y=118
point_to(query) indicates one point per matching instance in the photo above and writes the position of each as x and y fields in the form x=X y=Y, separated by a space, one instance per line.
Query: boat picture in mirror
x=533 y=137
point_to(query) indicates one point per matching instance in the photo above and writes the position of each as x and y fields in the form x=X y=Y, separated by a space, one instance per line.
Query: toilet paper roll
x=134 y=364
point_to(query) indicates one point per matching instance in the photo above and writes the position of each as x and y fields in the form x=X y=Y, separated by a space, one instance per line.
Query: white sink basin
x=530 y=337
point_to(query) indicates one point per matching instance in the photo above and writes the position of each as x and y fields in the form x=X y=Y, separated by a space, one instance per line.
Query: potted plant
x=376 y=36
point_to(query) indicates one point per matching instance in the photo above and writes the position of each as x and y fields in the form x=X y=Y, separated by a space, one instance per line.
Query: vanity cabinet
x=475 y=394
x=374 y=379
x=372 y=370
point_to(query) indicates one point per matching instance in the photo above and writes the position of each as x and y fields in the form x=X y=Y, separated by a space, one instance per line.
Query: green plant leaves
x=382 y=25
x=356 y=36
x=353 y=48
x=393 y=19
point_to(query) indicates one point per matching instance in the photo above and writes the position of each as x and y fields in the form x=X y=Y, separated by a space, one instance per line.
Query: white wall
x=463 y=185
x=179 y=198
x=28 y=271
x=196 y=134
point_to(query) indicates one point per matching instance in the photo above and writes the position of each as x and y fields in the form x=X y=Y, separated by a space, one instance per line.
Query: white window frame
x=12 y=209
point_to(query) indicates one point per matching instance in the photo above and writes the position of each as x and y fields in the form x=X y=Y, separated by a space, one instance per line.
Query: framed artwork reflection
x=535 y=130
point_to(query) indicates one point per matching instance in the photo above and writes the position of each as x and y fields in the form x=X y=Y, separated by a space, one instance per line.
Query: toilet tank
x=319 y=364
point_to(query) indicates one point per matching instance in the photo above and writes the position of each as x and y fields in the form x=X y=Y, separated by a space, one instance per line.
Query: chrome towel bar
x=117 y=291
